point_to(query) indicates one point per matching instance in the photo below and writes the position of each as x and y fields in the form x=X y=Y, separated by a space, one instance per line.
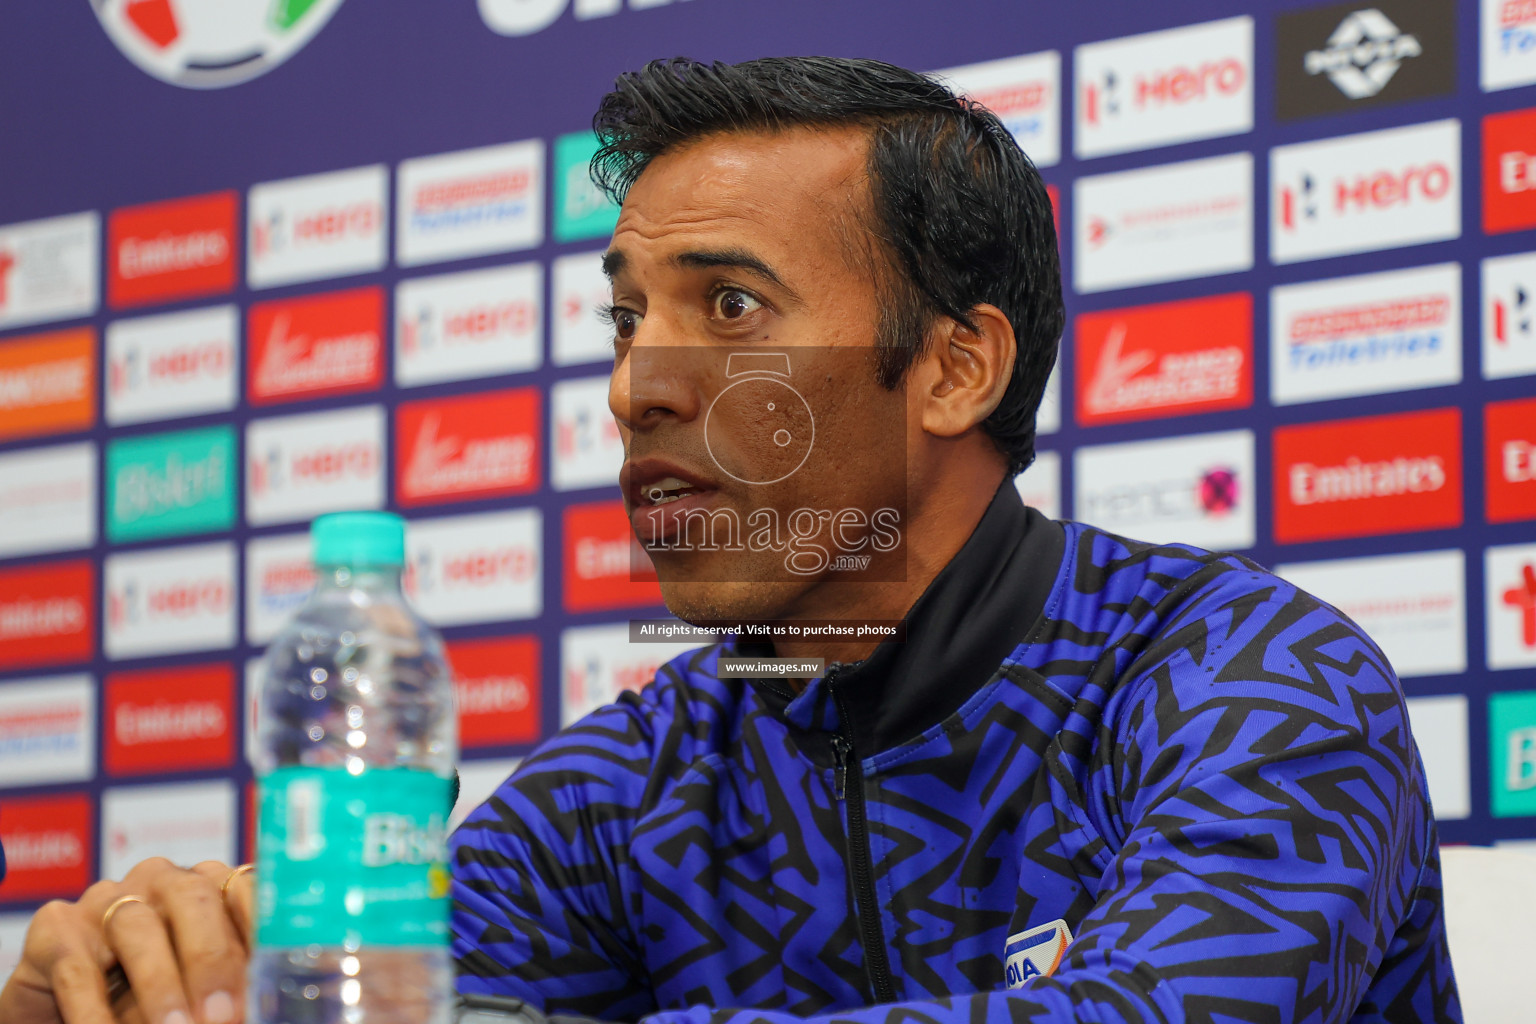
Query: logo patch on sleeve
x=1036 y=953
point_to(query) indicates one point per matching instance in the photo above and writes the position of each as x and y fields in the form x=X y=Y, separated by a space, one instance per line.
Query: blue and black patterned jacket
x=1202 y=773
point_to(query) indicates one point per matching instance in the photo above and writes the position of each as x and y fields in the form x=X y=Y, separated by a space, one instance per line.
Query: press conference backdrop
x=264 y=259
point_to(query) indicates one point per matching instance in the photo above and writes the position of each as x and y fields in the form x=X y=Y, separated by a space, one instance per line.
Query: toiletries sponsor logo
x=1197 y=489
x=1346 y=56
x=1024 y=93
x=279 y=574
x=597 y=663
x=605 y=567
x=1510 y=601
x=163 y=485
x=47 y=841
x=1365 y=335
x=170 y=599
x=580 y=290
x=1509 y=316
x=1167 y=223
x=169 y=719
x=588 y=451
x=1509 y=468
x=318 y=226
x=496 y=685
x=1360 y=193
x=47 y=383
x=47 y=730
x=1167 y=359
x=470 y=203
x=1509 y=43
x=175 y=249
x=479 y=323
x=1509 y=171
x=317 y=345
x=48 y=499
x=175 y=364
x=48 y=269
x=1161 y=88
x=187 y=823
x=475 y=446
x=1378 y=474
x=47 y=614
x=476 y=568
x=300 y=466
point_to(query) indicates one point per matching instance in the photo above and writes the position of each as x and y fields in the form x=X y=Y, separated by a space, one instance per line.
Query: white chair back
x=1490 y=920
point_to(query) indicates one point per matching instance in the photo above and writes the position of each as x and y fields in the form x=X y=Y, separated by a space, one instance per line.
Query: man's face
x=759 y=446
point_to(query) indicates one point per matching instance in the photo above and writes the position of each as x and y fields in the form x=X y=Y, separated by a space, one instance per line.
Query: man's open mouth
x=668 y=489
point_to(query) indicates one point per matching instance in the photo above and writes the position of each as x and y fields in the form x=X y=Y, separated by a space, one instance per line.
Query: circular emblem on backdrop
x=211 y=44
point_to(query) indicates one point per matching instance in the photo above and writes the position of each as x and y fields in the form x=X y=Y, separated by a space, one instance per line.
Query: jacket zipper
x=877 y=964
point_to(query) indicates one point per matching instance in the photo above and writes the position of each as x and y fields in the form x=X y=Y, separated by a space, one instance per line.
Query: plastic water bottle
x=356 y=741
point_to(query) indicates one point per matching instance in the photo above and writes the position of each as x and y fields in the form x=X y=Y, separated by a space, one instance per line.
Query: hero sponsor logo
x=1509 y=171
x=48 y=269
x=1414 y=606
x=605 y=567
x=1040 y=485
x=474 y=446
x=161 y=485
x=172 y=365
x=525 y=17
x=1439 y=726
x=1508 y=43
x=1167 y=223
x=279 y=574
x=580 y=333
x=47 y=730
x=1365 y=335
x=1512 y=737
x=1361 y=193
x=47 y=614
x=169 y=719
x=317 y=345
x=496 y=686
x=1347 y=55
x=1197 y=489
x=48 y=499
x=170 y=599
x=317 y=226
x=1509 y=575
x=480 y=323
x=1024 y=93
x=1160 y=88
x=588 y=450
x=598 y=663
x=171 y=250
x=1374 y=475
x=47 y=841
x=476 y=568
x=470 y=203
x=187 y=823
x=300 y=466
x=1509 y=469
x=1166 y=359
x=1509 y=316
x=47 y=383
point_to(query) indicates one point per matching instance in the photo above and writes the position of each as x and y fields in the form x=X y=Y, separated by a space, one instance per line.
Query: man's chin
x=723 y=602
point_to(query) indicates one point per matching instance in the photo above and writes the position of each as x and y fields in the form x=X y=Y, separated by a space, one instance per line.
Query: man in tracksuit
x=1098 y=780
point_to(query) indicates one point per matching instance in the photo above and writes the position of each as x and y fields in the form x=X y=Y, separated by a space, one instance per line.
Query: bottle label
x=352 y=860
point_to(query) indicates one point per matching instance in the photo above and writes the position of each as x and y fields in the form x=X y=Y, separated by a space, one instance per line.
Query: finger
x=138 y=937
x=238 y=892
x=80 y=989
x=209 y=950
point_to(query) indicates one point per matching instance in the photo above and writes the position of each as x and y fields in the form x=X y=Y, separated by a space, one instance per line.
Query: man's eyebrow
x=735 y=259
x=614 y=262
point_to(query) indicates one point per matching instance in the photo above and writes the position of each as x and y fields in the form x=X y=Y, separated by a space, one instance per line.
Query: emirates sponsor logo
x=1359 y=480
x=42 y=851
x=44 y=383
x=492 y=695
x=296 y=362
x=441 y=465
x=1518 y=461
x=1119 y=382
x=30 y=619
x=168 y=253
x=168 y=723
x=600 y=559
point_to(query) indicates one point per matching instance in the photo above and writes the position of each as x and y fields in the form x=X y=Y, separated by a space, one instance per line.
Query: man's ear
x=965 y=371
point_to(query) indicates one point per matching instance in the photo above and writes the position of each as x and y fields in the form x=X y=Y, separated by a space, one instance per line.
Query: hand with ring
x=166 y=945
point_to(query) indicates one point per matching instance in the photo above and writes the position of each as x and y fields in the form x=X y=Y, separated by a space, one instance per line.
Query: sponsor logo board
x=479 y=323
x=478 y=780
x=170 y=599
x=1374 y=475
x=605 y=567
x=316 y=345
x=1508 y=30
x=588 y=451
x=1040 y=485
x=48 y=499
x=47 y=614
x=1509 y=316
x=1512 y=750
x=598 y=663
x=1509 y=171
x=1509 y=575
x=496 y=685
x=48 y=842
x=47 y=730
x=470 y=203
x=476 y=568
x=1168 y=359
x=1414 y=606
x=164 y=485
x=1365 y=335
x=169 y=719
x=186 y=822
x=1361 y=193
x=298 y=467
x=1166 y=223
x=1439 y=727
x=1025 y=94
x=172 y=365
x=579 y=331
x=316 y=226
x=1351 y=55
x=1509 y=468
x=47 y=383
x=582 y=210
x=1048 y=416
x=279 y=574
x=48 y=269
x=13 y=935
x=483 y=445
x=169 y=250
x=1161 y=88
x=1198 y=489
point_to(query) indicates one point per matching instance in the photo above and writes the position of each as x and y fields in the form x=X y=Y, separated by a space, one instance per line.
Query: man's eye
x=625 y=322
x=733 y=304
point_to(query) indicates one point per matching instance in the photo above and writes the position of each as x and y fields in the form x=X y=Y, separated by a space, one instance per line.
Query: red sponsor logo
x=477 y=446
x=1509 y=171
x=1175 y=86
x=48 y=842
x=484 y=189
x=1412 y=186
x=496 y=684
x=1510 y=461
x=604 y=566
x=171 y=250
x=161 y=720
x=1165 y=360
x=318 y=345
x=47 y=614
x=1517 y=12
x=1379 y=474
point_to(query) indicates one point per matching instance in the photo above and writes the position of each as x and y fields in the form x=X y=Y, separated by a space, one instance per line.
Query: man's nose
x=657 y=380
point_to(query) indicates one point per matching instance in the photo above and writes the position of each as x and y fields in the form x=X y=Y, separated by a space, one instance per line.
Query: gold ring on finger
x=243 y=869
x=115 y=906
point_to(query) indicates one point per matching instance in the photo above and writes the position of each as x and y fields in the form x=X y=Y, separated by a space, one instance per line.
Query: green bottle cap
x=358 y=539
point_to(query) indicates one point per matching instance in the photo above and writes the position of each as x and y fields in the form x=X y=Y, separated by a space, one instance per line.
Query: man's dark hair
x=960 y=210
